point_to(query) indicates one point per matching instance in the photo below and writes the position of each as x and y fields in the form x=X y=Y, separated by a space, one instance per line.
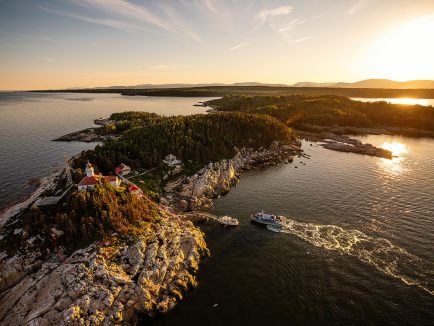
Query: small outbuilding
x=171 y=160
x=136 y=191
x=123 y=169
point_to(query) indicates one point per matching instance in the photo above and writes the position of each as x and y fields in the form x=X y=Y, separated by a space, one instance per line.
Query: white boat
x=227 y=220
x=267 y=219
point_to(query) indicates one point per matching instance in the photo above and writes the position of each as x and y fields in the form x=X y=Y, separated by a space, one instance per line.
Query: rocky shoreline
x=195 y=193
x=409 y=132
x=104 y=284
x=344 y=143
x=122 y=279
x=87 y=135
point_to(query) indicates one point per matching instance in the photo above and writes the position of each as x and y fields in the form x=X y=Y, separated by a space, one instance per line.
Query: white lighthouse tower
x=89 y=170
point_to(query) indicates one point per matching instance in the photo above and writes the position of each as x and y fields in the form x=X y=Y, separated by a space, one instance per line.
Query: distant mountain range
x=368 y=83
x=374 y=83
x=385 y=83
x=150 y=86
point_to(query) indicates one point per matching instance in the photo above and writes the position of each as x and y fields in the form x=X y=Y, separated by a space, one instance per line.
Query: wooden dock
x=201 y=216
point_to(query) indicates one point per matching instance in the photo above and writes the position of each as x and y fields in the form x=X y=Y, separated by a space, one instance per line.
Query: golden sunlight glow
x=395 y=165
x=396 y=148
x=405 y=53
x=411 y=101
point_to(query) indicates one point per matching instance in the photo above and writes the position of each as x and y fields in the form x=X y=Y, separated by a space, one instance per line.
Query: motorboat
x=267 y=219
x=227 y=220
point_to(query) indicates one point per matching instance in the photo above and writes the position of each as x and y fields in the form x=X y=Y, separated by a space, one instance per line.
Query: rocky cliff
x=106 y=283
x=196 y=192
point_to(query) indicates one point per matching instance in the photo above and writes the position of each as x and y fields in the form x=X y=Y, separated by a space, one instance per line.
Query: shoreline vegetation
x=106 y=256
x=325 y=112
x=329 y=119
x=220 y=91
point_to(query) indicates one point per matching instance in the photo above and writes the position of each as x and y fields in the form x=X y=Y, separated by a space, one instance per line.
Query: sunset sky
x=86 y=43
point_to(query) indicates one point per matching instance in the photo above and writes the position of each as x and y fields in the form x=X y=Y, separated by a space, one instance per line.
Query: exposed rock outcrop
x=343 y=143
x=196 y=192
x=88 y=135
x=103 y=284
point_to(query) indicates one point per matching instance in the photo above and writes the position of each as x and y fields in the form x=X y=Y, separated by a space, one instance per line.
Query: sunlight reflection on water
x=410 y=101
x=396 y=164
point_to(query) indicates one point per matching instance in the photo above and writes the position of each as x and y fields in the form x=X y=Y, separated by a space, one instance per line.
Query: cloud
x=303 y=39
x=291 y=25
x=212 y=6
x=98 y=21
x=356 y=7
x=47 y=59
x=125 y=15
x=264 y=14
x=236 y=47
x=178 y=24
x=126 y=9
x=34 y=37
x=168 y=67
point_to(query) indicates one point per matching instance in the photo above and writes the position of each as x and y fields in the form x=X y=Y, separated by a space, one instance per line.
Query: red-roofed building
x=123 y=169
x=134 y=190
x=91 y=180
x=114 y=181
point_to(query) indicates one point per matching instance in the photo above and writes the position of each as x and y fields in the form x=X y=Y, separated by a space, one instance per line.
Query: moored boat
x=227 y=220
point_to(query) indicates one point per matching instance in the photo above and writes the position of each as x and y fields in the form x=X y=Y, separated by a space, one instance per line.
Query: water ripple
x=379 y=252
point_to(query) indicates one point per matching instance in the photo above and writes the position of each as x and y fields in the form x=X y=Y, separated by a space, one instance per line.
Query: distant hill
x=368 y=83
x=151 y=86
x=313 y=84
x=386 y=83
x=160 y=86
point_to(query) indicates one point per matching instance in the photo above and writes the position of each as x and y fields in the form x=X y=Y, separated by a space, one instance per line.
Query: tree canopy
x=328 y=110
x=147 y=138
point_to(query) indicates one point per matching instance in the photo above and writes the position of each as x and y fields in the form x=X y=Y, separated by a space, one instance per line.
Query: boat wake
x=381 y=253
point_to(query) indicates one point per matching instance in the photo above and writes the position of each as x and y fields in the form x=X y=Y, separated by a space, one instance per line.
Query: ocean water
x=358 y=248
x=403 y=100
x=29 y=122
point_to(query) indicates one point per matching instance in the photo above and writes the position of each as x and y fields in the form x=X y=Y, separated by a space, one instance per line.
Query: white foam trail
x=381 y=253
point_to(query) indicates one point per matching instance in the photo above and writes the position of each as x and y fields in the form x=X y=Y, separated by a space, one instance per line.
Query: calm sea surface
x=29 y=121
x=359 y=249
x=419 y=101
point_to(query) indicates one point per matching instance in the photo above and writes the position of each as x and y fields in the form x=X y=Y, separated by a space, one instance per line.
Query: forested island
x=145 y=138
x=219 y=91
x=116 y=254
x=336 y=114
x=310 y=112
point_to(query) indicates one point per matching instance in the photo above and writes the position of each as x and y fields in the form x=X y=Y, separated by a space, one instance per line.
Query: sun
x=405 y=53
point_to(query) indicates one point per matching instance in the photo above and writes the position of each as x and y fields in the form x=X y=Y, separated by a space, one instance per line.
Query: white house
x=171 y=160
x=91 y=180
x=123 y=169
